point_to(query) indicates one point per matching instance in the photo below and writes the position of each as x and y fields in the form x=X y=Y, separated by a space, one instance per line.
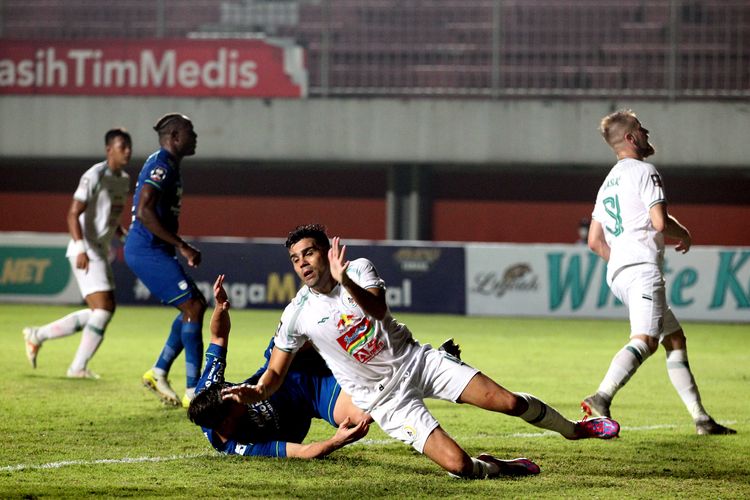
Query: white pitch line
x=126 y=460
x=364 y=442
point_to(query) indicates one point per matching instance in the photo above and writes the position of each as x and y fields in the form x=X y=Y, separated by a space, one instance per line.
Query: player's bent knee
x=193 y=309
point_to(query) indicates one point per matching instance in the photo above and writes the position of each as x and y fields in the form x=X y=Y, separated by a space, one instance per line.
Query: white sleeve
x=363 y=273
x=83 y=191
x=287 y=338
x=651 y=189
x=598 y=213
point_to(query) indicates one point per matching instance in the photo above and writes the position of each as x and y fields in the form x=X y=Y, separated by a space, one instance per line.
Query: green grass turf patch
x=111 y=437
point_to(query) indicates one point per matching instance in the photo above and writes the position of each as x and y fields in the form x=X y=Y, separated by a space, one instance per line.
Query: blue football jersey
x=163 y=173
x=309 y=391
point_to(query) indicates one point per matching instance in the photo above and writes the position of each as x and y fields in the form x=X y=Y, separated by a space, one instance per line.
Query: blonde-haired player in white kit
x=93 y=220
x=342 y=311
x=629 y=223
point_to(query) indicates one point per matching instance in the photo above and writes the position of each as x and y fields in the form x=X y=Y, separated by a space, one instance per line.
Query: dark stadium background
x=664 y=56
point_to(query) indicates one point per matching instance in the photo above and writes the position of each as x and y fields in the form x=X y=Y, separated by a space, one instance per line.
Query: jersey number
x=612 y=206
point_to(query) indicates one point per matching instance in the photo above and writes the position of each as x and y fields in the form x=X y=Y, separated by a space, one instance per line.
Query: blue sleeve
x=160 y=175
x=216 y=362
x=270 y=449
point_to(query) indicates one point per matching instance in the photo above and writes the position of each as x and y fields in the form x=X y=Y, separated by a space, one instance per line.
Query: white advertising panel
x=707 y=283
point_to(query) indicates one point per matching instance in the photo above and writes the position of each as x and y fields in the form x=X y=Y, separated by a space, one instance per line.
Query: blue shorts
x=325 y=392
x=162 y=274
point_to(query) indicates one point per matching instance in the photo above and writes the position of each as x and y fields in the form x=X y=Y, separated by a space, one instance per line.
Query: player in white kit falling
x=341 y=310
x=627 y=230
x=93 y=220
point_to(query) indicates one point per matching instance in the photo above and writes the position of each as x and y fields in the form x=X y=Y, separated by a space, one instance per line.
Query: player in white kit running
x=629 y=223
x=341 y=310
x=93 y=220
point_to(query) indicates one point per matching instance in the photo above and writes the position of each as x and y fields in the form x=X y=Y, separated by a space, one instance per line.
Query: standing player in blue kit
x=151 y=253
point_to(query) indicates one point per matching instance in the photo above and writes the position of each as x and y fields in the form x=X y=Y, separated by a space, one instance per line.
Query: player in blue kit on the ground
x=274 y=427
x=151 y=253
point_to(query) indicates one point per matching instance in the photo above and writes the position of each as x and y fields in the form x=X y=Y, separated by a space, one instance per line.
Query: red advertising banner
x=174 y=67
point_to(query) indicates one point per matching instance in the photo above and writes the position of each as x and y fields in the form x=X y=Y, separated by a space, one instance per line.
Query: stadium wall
x=472 y=133
x=499 y=171
x=501 y=206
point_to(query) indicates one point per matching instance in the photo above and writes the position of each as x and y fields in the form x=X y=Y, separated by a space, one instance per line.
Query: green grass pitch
x=110 y=437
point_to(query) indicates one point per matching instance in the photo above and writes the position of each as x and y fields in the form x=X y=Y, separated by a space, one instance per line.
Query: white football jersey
x=364 y=354
x=105 y=195
x=622 y=207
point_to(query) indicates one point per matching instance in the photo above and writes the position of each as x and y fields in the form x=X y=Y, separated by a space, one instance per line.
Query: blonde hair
x=615 y=126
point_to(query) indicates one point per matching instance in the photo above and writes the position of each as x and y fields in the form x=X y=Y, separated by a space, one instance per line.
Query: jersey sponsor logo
x=158 y=174
x=656 y=179
x=411 y=432
x=349 y=301
x=345 y=321
x=359 y=339
x=263 y=415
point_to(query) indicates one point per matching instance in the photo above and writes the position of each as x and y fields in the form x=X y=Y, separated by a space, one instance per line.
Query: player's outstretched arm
x=372 y=300
x=344 y=435
x=269 y=382
x=220 y=321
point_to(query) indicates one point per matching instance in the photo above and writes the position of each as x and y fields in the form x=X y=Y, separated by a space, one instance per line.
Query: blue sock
x=192 y=338
x=173 y=347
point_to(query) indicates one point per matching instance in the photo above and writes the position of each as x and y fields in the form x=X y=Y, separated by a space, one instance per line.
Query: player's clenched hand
x=191 y=254
x=244 y=393
x=337 y=260
x=82 y=261
x=346 y=434
x=684 y=245
x=220 y=295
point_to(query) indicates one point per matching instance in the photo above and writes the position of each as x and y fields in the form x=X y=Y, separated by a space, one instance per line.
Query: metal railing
x=490 y=48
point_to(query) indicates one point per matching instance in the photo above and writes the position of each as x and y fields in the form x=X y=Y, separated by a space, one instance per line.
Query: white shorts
x=641 y=289
x=432 y=374
x=99 y=277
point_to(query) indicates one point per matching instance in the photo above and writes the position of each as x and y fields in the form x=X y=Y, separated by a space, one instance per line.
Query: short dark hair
x=168 y=122
x=113 y=133
x=315 y=231
x=207 y=408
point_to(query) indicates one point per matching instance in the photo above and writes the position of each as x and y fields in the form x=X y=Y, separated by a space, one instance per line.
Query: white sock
x=682 y=379
x=542 y=415
x=92 y=336
x=65 y=326
x=623 y=366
